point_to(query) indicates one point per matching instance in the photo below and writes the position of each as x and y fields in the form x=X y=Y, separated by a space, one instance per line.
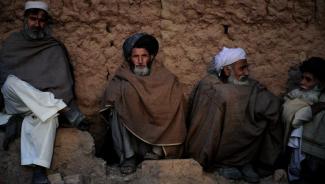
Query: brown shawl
x=232 y=125
x=150 y=107
x=42 y=63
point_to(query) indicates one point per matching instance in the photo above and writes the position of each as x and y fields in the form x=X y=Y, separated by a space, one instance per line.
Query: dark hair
x=149 y=43
x=34 y=11
x=315 y=66
x=222 y=76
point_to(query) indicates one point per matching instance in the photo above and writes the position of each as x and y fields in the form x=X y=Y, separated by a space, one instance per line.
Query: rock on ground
x=74 y=163
x=73 y=160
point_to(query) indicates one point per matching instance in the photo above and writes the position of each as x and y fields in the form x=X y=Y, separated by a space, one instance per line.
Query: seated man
x=233 y=120
x=147 y=118
x=304 y=126
x=36 y=83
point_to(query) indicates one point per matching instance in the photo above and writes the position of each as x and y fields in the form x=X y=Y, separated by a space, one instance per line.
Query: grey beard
x=311 y=95
x=141 y=71
x=243 y=80
x=36 y=34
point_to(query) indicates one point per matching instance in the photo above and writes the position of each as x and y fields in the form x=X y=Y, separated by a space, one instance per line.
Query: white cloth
x=21 y=97
x=40 y=122
x=37 y=140
x=4 y=118
x=297 y=155
x=295 y=136
x=303 y=115
x=36 y=4
x=228 y=56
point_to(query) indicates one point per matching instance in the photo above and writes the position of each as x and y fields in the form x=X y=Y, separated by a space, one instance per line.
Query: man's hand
x=317 y=107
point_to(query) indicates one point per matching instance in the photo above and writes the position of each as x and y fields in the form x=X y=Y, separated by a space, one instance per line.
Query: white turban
x=228 y=56
x=36 y=4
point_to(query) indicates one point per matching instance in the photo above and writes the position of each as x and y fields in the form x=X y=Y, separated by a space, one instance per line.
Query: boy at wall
x=300 y=107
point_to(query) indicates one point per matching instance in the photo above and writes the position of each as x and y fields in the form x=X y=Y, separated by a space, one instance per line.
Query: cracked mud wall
x=276 y=34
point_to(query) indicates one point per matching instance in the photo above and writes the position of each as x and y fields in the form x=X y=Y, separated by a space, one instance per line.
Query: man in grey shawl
x=147 y=117
x=233 y=120
x=36 y=85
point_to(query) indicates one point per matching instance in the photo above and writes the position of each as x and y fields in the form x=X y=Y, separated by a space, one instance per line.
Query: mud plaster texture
x=276 y=34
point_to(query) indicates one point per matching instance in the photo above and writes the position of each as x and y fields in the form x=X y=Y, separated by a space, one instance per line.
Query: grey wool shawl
x=233 y=125
x=42 y=63
x=313 y=137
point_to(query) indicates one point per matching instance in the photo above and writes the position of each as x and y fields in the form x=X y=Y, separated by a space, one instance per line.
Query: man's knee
x=10 y=84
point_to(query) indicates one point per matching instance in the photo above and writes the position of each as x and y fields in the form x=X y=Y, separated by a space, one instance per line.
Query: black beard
x=35 y=33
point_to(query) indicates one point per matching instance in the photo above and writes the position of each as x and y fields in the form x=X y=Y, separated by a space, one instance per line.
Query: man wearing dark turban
x=147 y=118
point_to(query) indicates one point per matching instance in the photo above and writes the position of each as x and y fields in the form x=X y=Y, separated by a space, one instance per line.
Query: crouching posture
x=36 y=84
x=147 y=118
x=233 y=120
x=303 y=114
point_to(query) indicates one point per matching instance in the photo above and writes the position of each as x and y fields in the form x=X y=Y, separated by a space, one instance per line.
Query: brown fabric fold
x=150 y=107
x=233 y=125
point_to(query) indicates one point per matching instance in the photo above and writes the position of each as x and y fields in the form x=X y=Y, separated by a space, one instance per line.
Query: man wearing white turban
x=233 y=120
x=36 y=85
x=227 y=57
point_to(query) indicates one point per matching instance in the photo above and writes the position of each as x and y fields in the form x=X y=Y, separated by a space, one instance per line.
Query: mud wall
x=276 y=34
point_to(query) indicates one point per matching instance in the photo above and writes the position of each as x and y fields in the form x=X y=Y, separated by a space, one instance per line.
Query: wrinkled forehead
x=240 y=63
x=308 y=75
x=36 y=12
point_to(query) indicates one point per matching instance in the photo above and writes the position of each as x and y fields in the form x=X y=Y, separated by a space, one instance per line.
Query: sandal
x=128 y=166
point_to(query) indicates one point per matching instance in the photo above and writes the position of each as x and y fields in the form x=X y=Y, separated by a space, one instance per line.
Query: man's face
x=308 y=81
x=35 y=25
x=240 y=69
x=140 y=57
x=37 y=21
x=237 y=72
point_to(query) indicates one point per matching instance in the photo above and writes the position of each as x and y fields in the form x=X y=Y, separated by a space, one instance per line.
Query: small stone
x=55 y=178
x=73 y=179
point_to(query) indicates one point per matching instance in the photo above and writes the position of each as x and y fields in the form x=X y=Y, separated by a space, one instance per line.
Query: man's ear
x=227 y=71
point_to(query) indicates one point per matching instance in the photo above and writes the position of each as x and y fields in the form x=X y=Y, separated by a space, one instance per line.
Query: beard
x=311 y=95
x=141 y=71
x=36 y=33
x=243 y=80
